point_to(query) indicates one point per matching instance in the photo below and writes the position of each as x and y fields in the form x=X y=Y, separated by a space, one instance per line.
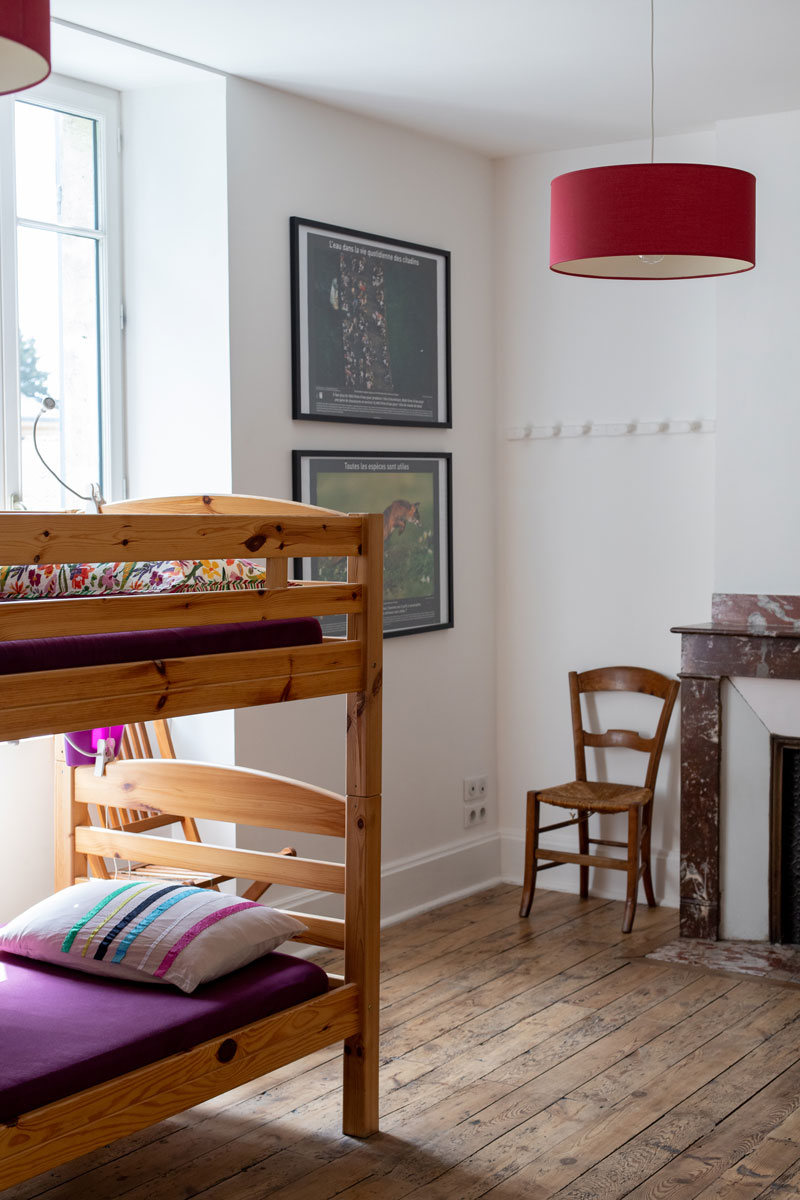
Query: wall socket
x=475 y=804
x=475 y=788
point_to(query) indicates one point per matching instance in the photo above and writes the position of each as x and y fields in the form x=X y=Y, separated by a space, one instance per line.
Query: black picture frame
x=415 y=493
x=370 y=328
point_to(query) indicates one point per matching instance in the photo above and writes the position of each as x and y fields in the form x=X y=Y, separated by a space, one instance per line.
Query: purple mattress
x=91 y=650
x=62 y=1031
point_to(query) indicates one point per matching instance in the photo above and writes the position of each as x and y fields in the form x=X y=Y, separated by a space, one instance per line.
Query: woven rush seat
x=601 y=797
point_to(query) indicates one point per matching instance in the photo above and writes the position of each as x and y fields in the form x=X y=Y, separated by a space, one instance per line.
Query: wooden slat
x=108 y=614
x=132 y=730
x=110 y=709
x=60 y=538
x=217 y=793
x=97 y=1116
x=164 y=739
x=74 y=683
x=134 y=824
x=205 y=856
x=626 y=738
x=596 y=860
x=82 y=697
x=55 y=716
x=322 y=931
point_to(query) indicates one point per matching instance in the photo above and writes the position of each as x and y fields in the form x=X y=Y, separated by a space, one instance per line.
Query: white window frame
x=102 y=105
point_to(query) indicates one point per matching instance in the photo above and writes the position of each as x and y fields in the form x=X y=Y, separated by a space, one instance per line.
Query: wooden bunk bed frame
x=80 y=697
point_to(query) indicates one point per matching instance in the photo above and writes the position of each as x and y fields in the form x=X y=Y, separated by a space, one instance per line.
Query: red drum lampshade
x=653 y=221
x=24 y=43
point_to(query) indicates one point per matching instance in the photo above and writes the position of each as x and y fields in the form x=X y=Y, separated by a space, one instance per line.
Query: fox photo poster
x=370 y=328
x=413 y=491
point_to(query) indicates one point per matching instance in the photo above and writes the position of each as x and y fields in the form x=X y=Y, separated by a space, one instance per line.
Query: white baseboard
x=446 y=873
x=422 y=881
x=417 y=882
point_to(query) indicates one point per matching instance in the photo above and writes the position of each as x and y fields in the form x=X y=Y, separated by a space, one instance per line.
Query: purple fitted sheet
x=140 y=645
x=62 y=1031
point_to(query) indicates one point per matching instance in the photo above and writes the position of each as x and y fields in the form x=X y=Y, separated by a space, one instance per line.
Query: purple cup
x=83 y=750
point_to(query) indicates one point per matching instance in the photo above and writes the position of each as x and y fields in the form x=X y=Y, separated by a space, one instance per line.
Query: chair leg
x=647 y=878
x=634 y=827
x=531 y=846
x=583 y=847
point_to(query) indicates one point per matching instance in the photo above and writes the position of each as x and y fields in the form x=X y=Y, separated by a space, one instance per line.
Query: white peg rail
x=525 y=433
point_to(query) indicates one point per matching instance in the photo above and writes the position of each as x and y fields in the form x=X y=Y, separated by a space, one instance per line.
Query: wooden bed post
x=363 y=843
x=68 y=864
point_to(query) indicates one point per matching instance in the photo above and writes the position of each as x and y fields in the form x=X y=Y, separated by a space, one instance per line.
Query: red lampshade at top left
x=24 y=44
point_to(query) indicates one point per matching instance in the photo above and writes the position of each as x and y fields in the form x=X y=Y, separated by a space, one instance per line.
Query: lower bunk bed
x=85 y=1058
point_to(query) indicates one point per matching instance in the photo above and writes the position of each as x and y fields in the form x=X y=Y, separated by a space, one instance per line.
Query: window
x=60 y=294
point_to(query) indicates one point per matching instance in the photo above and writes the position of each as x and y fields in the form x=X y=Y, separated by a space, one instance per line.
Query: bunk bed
x=63 y=682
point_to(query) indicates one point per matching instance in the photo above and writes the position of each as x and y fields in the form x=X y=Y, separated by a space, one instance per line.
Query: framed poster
x=414 y=493
x=370 y=328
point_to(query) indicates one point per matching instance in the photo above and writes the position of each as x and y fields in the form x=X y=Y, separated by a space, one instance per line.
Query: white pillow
x=149 y=932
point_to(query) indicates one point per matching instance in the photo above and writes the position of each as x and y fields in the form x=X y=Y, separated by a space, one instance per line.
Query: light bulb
x=651 y=259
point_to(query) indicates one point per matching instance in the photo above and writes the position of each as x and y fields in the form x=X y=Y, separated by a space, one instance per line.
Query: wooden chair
x=586 y=797
x=136 y=745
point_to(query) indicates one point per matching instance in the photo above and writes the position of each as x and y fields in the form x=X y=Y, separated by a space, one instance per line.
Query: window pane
x=58 y=323
x=55 y=161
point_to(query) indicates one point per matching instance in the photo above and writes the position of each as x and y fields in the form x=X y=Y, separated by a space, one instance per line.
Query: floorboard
x=522 y=1060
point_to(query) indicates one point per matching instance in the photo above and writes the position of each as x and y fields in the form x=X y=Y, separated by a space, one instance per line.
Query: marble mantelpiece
x=756 y=636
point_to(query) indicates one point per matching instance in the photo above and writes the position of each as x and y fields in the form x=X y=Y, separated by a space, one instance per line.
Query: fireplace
x=748 y=636
x=784 y=860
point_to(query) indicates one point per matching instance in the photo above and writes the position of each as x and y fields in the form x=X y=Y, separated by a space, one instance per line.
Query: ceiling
x=499 y=76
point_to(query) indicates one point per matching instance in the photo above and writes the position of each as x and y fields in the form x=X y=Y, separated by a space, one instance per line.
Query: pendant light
x=24 y=44
x=653 y=220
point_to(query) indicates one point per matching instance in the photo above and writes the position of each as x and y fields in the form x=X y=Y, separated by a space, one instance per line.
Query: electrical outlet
x=475 y=813
x=475 y=789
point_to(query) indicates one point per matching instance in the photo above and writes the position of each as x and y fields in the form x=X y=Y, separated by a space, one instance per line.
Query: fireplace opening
x=784 y=859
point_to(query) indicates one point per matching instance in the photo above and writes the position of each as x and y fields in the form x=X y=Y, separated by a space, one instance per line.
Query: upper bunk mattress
x=62 y=1031
x=140 y=645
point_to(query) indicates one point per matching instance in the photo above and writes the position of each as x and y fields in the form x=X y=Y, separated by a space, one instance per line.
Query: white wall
x=26 y=824
x=176 y=288
x=757 y=497
x=605 y=542
x=758 y=364
x=177 y=346
x=289 y=157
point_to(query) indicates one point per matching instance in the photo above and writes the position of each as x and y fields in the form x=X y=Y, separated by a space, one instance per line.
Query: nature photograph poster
x=370 y=328
x=413 y=493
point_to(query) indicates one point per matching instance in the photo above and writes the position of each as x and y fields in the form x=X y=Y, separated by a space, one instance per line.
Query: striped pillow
x=147 y=932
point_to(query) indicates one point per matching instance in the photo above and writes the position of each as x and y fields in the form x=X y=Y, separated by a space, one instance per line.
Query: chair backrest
x=622 y=679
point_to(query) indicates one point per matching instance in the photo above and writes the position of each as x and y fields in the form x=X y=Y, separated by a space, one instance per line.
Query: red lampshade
x=692 y=218
x=24 y=43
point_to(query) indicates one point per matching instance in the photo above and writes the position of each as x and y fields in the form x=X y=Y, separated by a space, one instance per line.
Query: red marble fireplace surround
x=748 y=635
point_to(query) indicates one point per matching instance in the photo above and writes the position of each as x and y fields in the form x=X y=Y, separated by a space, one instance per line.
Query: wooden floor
x=522 y=1059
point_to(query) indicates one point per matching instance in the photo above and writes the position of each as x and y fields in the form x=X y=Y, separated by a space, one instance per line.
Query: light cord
x=652 y=85
x=48 y=407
